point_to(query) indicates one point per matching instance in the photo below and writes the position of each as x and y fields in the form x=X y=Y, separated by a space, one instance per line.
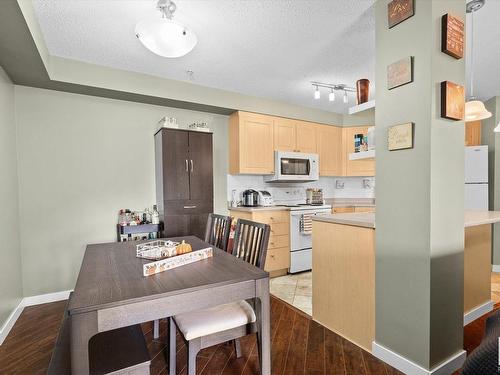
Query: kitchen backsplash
x=333 y=187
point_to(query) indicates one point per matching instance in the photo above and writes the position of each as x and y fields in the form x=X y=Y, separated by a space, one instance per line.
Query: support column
x=420 y=195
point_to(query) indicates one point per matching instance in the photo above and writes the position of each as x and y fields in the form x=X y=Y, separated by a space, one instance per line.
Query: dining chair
x=217 y=231
x=204 y=328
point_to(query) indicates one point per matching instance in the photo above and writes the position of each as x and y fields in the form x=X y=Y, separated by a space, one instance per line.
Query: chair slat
x=251 y=240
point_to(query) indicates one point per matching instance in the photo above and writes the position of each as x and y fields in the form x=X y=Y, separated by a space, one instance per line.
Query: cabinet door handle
x=187 y=168
x=189 y=207
x=192 y=165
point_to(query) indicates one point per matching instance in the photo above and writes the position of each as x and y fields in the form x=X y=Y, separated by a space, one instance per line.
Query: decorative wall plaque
x=400 y=137
x=399 y=11
x=452 y=101
x=400 y=73
x=452 y=36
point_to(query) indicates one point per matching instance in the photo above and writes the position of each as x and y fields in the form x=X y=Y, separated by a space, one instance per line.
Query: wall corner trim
x=495 y=268
x=30 y=301
x=408 y=367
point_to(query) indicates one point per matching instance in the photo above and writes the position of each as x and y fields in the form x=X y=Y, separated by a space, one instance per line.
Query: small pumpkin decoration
x=183 y=248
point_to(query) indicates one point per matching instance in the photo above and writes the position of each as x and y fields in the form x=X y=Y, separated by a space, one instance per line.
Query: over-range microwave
x=294 y=166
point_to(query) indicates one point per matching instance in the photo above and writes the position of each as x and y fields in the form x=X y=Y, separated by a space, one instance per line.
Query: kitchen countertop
x=367 y=219
x=259 y=208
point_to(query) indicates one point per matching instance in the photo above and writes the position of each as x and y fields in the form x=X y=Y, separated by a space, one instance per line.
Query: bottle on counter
x=155 y=216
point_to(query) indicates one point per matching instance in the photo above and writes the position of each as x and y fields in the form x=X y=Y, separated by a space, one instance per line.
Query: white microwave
x=294 y=166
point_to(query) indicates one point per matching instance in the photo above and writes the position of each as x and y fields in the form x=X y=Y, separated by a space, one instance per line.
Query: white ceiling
x=266 y=48
x=270 y=49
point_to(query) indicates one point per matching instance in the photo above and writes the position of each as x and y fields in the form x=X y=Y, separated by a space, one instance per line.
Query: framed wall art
x=400 y=137
x=452 y=101
x=400 y=73
x=452 y=36
x=399 y=11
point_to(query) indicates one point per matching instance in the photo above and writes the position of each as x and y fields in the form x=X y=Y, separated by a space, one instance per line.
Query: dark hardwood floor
x=299 y=346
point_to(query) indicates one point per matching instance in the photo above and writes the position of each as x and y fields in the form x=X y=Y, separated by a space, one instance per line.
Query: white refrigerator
x=476 y=178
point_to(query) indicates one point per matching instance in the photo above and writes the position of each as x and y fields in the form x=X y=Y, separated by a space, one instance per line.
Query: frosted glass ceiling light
x=331 y=96
x=164 y=36
x=317 y=94
x=474 y=109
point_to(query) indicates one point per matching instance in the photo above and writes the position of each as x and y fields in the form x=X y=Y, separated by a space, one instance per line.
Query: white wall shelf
x=362 y=155
x=362 y=107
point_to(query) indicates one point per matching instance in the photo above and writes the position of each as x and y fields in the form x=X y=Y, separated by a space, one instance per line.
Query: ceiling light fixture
x=317 y=94
x=474 y=109
x=333 y=87
x=331 y=96
x=164 y=36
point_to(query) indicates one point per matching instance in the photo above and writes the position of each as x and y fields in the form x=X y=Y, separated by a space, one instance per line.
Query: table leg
x=263 y=312
x=172 y=349
x=83 y=327
x=156 y=329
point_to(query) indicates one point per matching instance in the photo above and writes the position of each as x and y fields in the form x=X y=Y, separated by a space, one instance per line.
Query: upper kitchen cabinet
x=473 y=133
x=285 y=134
x=331 y=157
x=251 y=143
x=363 y=167
x=295 y=136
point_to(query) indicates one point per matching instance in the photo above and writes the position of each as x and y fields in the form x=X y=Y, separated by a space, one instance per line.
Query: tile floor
x=295 y=290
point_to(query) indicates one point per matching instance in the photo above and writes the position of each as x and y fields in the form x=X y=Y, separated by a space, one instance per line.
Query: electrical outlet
x=339 y=184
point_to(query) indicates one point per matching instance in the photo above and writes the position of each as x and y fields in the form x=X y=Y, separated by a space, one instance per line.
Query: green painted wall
x=11 y=291
x=81 y=159
x=420 y=228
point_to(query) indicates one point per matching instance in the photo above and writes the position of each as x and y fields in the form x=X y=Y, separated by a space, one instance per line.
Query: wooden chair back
x=217 y=231
x=250 y=242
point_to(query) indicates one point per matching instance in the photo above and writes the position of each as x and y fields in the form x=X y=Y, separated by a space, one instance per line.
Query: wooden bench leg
x=172 y=332
x=237 y=347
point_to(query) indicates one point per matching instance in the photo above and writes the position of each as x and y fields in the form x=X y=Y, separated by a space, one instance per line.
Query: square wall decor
x=400 y=137
x=400 y=73
x=452 y=36
x=399 y=11
x=452 y=101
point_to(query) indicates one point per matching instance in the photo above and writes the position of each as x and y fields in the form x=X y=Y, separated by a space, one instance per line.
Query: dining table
x=111 y=292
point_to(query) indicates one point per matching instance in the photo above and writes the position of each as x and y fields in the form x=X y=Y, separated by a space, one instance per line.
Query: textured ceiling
x=266 y=48
x=270 y=49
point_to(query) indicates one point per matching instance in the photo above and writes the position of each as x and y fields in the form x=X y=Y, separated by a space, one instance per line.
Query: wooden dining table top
x=111 y=275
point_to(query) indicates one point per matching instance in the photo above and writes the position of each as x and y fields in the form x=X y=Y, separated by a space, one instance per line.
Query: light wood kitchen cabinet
x=251 y=144
x=473 y=133
x=294 y=136
x=285 y=134
x=342 y=210
x=331 y=157
x=364 y=209
x=306 y=137
x=278 y=252
x=364 y=167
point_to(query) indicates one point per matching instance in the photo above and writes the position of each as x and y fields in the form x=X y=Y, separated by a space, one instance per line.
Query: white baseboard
x=46 y=298
x=411 y=368
x=477 y=312
x=30 y=301
x=11 y=320
x=495 y=268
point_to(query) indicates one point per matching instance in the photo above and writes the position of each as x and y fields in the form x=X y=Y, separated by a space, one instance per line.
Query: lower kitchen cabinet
x=278 y=251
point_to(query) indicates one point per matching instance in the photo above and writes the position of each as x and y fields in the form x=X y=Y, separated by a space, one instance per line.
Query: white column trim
x=411 y=368
x=477 y=312
x=495 y=268
x=30 y=301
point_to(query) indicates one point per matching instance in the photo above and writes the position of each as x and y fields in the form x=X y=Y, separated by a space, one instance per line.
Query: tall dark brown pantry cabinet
x=184 y=180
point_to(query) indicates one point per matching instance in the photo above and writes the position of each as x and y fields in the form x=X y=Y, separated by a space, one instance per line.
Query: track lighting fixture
x=333 y=88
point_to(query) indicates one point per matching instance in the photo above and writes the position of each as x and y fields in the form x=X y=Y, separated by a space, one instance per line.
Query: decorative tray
x=167 y=255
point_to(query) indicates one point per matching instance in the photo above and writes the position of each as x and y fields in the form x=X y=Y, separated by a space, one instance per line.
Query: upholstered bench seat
x=215 y=319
